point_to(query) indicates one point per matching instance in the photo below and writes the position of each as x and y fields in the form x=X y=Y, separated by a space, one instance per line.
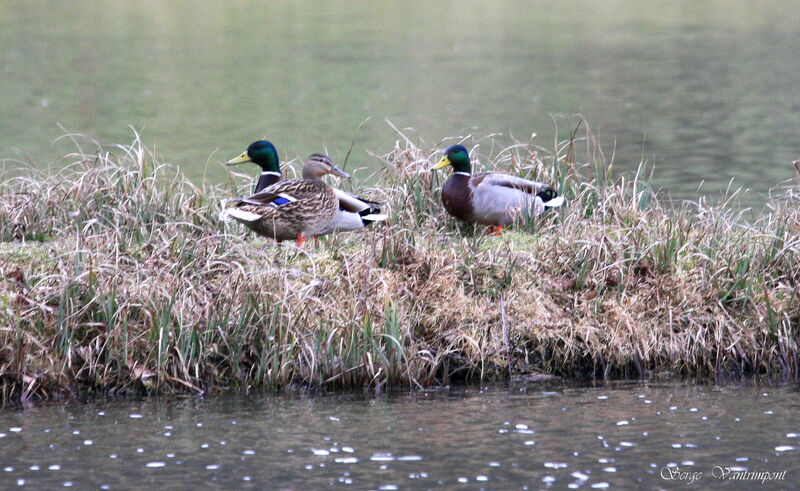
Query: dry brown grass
x=118 y=276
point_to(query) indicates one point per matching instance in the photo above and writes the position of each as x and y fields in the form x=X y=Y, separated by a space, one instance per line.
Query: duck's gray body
x=494 y=199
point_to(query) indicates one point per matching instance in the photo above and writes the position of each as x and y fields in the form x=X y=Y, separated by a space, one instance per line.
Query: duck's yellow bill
x=241 y=159
x=442 y=163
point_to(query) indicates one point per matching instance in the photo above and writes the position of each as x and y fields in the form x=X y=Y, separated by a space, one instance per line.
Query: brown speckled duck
x=491 y=198
x=354 y=213
x=287 y=210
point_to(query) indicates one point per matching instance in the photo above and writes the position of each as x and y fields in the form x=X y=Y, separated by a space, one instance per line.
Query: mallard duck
x=491 y=198
x=263 y=154
x=354 y=213
x=287 y=210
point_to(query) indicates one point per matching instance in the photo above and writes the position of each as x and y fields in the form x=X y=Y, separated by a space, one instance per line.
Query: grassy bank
x=119 y=276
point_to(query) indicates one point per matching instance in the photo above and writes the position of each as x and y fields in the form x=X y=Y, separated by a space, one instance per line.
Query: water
x=705 y=90
x=612 y=436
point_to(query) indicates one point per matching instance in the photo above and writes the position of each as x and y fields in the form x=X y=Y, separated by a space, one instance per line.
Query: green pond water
x=708 y=91
x=618 y=436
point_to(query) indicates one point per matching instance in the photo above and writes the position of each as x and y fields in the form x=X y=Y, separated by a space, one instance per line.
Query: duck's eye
x=547 y=194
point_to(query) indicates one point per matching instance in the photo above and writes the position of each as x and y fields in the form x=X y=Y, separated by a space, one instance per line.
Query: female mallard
x=287 y=209
x=263 y=154
x=491 y=198
x=354 y=213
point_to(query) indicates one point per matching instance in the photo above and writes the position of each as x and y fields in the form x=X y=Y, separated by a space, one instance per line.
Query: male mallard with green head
x=491 y=198
x=285 y=210
x=263 y=154
x=354 y=213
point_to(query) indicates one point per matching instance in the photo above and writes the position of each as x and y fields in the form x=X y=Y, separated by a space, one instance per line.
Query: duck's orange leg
x=496 y=230
x=300 y=239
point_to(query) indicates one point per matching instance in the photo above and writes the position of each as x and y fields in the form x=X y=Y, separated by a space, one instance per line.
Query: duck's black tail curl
x=371 y=215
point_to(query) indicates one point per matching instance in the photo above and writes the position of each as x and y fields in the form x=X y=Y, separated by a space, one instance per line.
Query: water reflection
x=564 y=437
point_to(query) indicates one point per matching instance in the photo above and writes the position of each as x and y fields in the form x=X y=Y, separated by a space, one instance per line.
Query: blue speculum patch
x=280 y=200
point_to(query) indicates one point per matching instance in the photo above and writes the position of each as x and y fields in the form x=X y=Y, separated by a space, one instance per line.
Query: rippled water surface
x=707 y=90
x=526 y=437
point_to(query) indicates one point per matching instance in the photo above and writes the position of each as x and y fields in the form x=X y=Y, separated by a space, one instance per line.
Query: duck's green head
x=458 y=157
x=261 y=153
